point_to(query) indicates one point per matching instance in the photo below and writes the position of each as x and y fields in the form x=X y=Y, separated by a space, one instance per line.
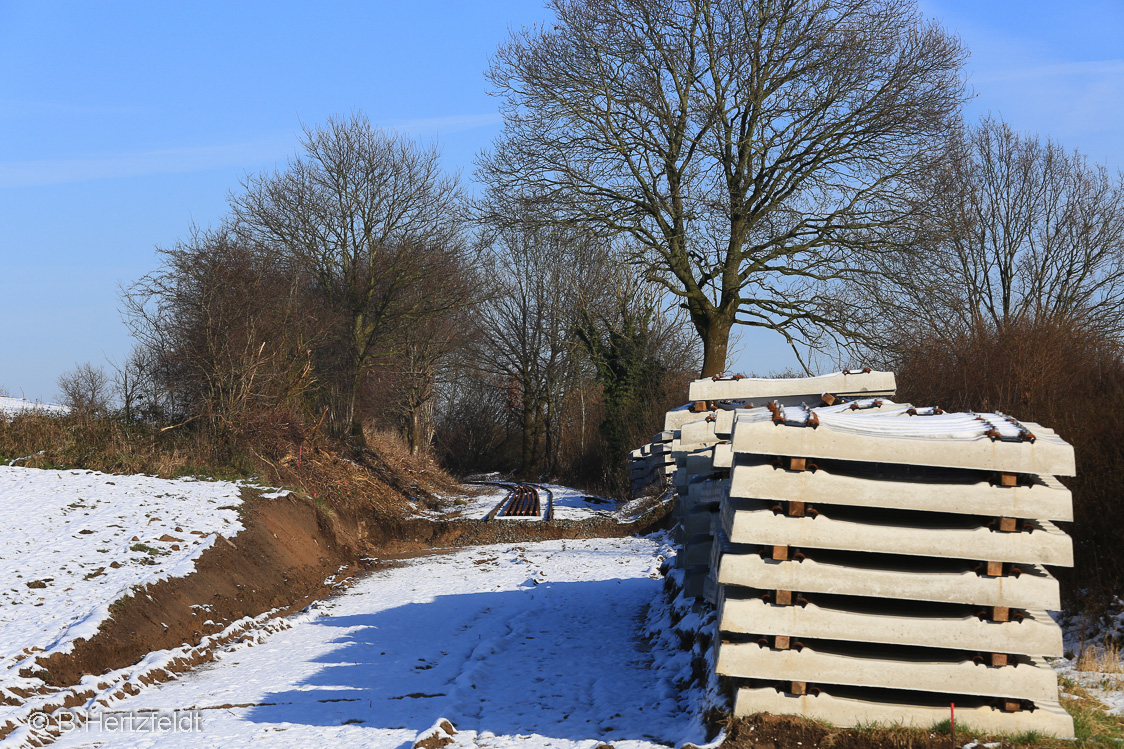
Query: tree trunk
x=354 y=410
x=715 y=334
x=531 y=459
x=414 y=429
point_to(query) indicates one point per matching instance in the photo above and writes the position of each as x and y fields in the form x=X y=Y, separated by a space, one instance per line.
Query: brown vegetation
x=1059 y=376
x=371 y=481
x=790 y=732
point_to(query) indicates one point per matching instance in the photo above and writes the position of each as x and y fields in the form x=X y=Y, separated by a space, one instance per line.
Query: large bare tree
x=756 y=151
x=372 y=218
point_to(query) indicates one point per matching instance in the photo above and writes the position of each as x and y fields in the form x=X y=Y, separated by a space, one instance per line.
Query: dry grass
x=38 y=440
x=1091 y=721
x=393 y=450
x=375 y=480
x=1103 y=659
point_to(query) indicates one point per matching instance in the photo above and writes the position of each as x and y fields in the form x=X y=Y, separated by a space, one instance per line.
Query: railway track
x=522 y=501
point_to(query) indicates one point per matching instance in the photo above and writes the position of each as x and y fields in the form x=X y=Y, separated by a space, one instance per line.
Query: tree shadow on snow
x=562 y=660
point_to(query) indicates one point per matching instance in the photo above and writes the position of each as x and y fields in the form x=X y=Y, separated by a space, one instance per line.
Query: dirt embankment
x=282 y=560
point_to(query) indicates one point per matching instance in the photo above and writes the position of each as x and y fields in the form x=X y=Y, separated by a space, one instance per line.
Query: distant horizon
x=123 y=125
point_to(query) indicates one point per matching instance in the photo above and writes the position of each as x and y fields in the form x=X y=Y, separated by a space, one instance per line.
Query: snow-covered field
x=13 y=406
x=73 y=542
x=535 y=645
x=571 y=504
x=475 y=508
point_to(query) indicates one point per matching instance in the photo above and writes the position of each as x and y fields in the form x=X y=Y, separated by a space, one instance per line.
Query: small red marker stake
x=952 y=722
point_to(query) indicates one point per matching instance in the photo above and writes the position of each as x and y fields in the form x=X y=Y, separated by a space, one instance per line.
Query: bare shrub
x=85 y=390
x=226 y=333
x=475 y=428
x=132 y=381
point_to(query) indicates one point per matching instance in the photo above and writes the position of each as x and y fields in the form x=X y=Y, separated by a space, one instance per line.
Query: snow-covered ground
x=571 y=504
x=476 y=507
x=73 y=542
x=1080 y=634
x=535 y=645
x=13 y=406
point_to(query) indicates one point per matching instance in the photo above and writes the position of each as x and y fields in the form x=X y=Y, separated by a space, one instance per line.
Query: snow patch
x=77 y=541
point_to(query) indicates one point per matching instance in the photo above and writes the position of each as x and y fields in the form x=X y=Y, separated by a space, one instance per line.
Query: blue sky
x=123 y=123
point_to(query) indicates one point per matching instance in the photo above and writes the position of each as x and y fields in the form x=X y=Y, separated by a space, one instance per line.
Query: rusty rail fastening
x=813 y=419
x=1024 y=435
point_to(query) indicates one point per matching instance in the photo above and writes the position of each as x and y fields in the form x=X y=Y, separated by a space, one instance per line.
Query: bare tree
x=422 y=361
x=362 y=212
x=528 y=321
x=131 y=381
x=1018 y=234
x=756 y=151
x=85 y=390
x=473 y=418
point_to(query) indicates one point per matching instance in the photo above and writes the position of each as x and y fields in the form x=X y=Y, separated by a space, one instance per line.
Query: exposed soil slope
x=279 y=561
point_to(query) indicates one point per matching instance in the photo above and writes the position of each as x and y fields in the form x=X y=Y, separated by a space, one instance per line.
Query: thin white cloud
x=144 y=163
x=201 y=158
x=1090 y=68
x=12 y=108
x=448 y=124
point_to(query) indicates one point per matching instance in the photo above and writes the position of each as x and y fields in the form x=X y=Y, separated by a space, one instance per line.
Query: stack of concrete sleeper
x=876 y=562
x=703 y=451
